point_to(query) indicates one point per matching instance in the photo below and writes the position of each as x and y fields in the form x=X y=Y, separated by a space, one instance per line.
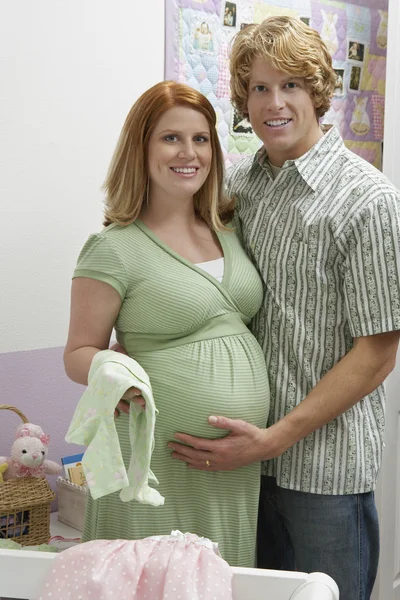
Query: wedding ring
x=208 y=464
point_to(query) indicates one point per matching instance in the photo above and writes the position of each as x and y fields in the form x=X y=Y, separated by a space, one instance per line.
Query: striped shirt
x=325 y=236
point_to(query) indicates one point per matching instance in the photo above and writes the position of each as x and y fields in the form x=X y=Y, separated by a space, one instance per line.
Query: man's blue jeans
x=337 y=535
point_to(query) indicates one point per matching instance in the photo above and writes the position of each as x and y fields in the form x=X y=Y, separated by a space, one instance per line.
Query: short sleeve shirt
x=325 y=236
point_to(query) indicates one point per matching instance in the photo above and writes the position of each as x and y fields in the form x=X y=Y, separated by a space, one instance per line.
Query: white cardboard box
x=71 y=503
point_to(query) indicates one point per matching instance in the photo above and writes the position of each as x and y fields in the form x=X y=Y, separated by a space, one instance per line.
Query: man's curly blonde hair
x=291 y=47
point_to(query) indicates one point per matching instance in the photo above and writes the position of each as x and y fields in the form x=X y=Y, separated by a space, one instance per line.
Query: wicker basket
x=25 y=505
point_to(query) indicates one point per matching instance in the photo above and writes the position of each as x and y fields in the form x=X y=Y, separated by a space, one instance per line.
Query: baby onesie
x=111 y=374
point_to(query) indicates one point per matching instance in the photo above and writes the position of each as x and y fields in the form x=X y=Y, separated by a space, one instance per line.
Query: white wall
x=70 y=71
x=392 y=115
x=388 y=489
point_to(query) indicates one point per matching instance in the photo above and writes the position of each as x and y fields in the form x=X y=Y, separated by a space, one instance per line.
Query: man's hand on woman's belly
x=244 y=445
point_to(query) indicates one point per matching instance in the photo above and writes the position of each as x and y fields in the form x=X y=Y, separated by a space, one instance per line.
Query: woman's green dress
x=189 y=332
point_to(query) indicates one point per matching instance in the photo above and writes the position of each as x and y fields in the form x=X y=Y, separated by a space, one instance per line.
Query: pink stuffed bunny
x=34 y=430
x=28 y=454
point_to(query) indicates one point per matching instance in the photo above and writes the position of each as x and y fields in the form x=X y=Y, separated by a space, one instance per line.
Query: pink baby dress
x=175 y=567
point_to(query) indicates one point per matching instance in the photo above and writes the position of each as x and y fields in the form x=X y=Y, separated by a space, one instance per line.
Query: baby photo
x=355 y=51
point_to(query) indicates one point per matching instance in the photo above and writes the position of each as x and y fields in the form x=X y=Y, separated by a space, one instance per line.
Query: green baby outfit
x=111 y=374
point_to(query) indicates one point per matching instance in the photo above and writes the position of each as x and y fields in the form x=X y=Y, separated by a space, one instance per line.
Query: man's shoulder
x=374 y=181
x=360 y=194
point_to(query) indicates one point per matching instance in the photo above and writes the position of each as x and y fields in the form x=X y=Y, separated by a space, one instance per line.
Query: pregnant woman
x=169 y=274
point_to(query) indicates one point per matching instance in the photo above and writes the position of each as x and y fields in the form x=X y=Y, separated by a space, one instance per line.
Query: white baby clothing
x=111 y=374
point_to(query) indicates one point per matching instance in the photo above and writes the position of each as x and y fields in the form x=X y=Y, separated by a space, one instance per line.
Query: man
x=323 y=227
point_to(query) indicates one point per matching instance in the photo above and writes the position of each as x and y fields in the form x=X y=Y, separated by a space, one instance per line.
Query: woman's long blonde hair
x=127 y=182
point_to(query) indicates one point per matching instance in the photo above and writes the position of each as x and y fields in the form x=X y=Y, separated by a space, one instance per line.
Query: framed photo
x=229 y=14
x=339 y=87
x=240 y=126
x=355 y=51
x=355 y=79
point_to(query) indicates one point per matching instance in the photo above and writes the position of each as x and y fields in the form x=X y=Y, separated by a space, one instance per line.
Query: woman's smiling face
x=179 y=153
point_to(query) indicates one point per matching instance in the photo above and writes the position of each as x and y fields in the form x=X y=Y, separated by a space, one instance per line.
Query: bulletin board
x=198 y=37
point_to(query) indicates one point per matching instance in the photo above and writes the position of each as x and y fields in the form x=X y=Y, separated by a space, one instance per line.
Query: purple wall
x=34 y=381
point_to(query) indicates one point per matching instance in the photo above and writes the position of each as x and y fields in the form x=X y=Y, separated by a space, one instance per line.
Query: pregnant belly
x=223 y=376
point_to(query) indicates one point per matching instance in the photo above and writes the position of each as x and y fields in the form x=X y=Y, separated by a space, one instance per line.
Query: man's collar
x=314 y=164
x=261 y=158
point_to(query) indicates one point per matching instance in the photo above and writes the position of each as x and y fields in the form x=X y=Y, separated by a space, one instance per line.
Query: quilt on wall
x=198 y=36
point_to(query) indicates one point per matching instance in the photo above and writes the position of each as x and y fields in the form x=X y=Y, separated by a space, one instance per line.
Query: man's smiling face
x=281 y=112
